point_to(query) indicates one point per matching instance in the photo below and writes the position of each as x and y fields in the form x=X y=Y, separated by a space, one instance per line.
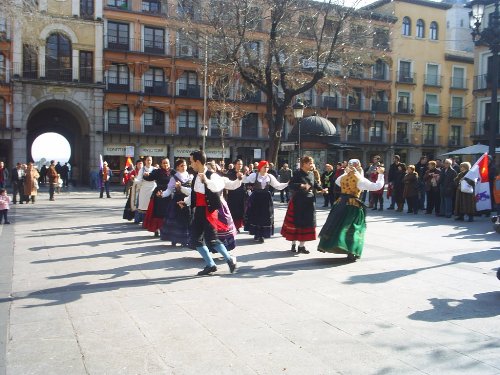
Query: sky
x=51 y=146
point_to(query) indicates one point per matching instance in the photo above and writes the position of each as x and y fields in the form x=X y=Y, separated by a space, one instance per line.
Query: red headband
x=262 y=163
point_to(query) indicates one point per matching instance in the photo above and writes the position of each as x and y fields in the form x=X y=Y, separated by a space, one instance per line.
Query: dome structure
x=313 y=126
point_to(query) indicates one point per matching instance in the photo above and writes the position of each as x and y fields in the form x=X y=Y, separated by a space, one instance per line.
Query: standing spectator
x=377 y=195
x=17 y=181
x=393 y=168
x=285 y=175
x=236 y=198
x=465 y=203
x=65 y=174
x=4 y=206
x=398 y=187
x=53 y=177
x=410 y=181
x=456 y=164
x=372 y=168
x=327 y=182
x=59 y=168
x=431 y=181
x=4 y=175
x=43 y=174
x=104 y=176
x=421 y=168
x=447 y=188
x=31 y=183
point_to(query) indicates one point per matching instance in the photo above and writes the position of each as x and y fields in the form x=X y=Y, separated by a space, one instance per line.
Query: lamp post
x=490 y=37
x=204 y=133
x=298 y=113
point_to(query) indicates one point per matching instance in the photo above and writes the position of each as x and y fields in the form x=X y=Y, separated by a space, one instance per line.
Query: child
x=4 y=206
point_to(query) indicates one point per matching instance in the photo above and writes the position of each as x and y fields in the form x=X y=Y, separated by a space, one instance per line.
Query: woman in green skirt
x=344 y=229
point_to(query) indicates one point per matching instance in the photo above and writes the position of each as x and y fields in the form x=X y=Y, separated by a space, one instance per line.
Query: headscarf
x=261 y=164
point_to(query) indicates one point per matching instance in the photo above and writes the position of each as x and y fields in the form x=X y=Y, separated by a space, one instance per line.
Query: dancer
x=157 y=207
x=205 y=201
x=178 y=217
x=236 y=198
x=300 y=219
x=260 y=209
x=344 y=229
x=131 y=204
x=144 y=189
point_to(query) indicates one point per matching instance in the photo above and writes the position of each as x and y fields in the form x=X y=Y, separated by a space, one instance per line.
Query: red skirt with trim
x=150 y=222
x=293 y=233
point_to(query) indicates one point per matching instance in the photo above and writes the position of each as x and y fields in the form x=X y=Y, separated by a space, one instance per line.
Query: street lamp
x=490 y=37
x=204 y=133
x=298 y=113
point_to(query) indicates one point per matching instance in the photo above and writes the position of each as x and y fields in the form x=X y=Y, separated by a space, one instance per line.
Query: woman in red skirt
x=300 y=219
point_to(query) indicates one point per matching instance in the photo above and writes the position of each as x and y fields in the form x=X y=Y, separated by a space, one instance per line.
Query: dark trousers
x=413 y=203
x=433 y=201
x=3 y=214
x=283 y=193
x=105 y=186
x=202 y=232
x=17 y=188
x=52 y=189
x=376 y=199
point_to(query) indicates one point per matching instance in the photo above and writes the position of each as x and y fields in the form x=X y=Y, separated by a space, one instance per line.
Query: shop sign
x=212 y=153
x=129 y=151
x=153 y=151
x=114 y=150
x=257 y=153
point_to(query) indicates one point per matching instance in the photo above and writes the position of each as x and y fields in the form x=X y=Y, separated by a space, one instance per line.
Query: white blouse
x=364 y=183
x=264 y=180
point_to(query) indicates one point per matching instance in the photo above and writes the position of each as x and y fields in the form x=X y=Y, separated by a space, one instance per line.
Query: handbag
x=465 y=187
x=35 y=184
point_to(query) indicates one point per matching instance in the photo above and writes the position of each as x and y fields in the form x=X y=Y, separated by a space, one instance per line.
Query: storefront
x=212 y=153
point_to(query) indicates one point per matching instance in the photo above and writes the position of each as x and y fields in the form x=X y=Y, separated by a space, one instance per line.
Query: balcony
x=433 y=80
x=85 y=75
x=251 y=97
x=456 y=112
x=458 y=83
x=406 y=77
x=118 y=84
x=355 y=104
x=157 y=129
x=380 y=106
x=123 y=128
x=332 y=102
x=126 y=44
x=402 y=139
x=431 y=110
x=405 y=108
x=483 y=82
x=478 y=129
x=155 y=88
x=189 y=90
x=188 y=131
x=376 y=139
x=455 y=142
x=154 y=7
x=431 y=140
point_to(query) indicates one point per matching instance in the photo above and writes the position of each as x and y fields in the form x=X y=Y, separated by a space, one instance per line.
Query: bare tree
x=283 y=48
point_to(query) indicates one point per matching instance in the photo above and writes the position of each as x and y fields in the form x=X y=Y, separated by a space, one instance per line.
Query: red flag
x=129 y=163
x=483 y=168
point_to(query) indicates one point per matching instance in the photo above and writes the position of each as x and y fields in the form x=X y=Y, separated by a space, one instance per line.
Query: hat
x=262 y=164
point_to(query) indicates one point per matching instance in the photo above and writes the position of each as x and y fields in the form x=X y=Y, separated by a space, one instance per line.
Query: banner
x=479 y=174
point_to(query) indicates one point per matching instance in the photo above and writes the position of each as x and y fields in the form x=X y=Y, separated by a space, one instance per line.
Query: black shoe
x=207 y=270
x=260 y=240
x=109 y=196
x=374 y=208
x=157 y=233
x=459 y=218
x=470 y=219
x=174 y=244
x=381 y=209
x=390 y=208
x=303 y=250
x=232 y=264
x=293 y=249
x=351 y=258
x=8 y=222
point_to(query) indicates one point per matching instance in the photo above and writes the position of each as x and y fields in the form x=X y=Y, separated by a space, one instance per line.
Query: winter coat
x=410 y=181
x=465 y=204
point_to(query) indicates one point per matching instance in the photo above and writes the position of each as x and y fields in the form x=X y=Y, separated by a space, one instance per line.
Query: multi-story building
x=57 y=81
x=5 y=89
x=431 y=85
x=483 y=66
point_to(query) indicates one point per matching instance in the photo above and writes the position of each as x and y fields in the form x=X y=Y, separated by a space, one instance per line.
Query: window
x=87 y=8
x=118 y=117
x=458 y=78
x=355 y=99
x=431 y=105
x=154 y=40
x=188 y=85
x=380 y=70
x=455 y=135
x=219 y=124
x=406 y=26
x=190 y=9
x=154 y=82
x=187 y=122
x=251 y=52
x=154 y=118
x=2 y=112
x=151 y=6
x=379 y=102
x=490 y=70
x=405 y=74
x=376 y=131
x=3 y=76
x=307 y=26
x=118 y=78
x=86 y=66
x=381 y=39
x=434 y=31
x=358 y=35
x=185 y=46
x=30 y=62
x=122 y=4
x=420 y=29
x=429 y=134
x=457 y=107
x=58 y=55
x=250 y=125
x=118 y=36
x=3 y=28
x=404 y=105
x=354 y=130
x=402 y=132
x=254 y=18
x=432 y=78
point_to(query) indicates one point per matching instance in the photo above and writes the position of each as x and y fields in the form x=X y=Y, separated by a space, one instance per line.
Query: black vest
x=213 y=199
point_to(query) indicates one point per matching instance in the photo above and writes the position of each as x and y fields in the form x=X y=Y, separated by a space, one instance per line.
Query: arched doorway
x=68 y=120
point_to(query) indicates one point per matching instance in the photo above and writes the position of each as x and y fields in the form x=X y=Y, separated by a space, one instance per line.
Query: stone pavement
x=84 y=292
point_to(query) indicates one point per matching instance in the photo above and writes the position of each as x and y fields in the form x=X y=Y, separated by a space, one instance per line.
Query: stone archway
x=66 y=119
